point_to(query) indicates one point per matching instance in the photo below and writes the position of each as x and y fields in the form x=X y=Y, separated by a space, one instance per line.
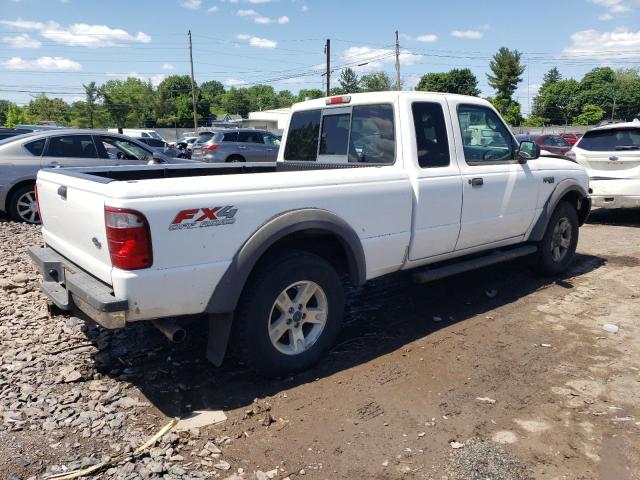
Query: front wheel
x=558 y=246
x=290 y=314
x=23 y=206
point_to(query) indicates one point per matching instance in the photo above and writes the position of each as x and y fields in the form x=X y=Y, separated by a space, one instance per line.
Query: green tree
x=552 y=76
x=460 y=81
x=129 y=103
x=309 y=94
x=175 y=104
x=15 y=115
x=4 y=109
x=557 y=101
x=534 y=121
x=91 y=95
x=509 y=109
x=285 y=99
x=262 y=97
x=45 y=109
x=376 y=82
x=590 y=115
x=212 y=91
x=506 y=72
x=349 y=81
x=236 y=101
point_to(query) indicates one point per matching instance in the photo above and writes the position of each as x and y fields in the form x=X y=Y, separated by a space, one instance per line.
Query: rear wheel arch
x=235 y=158
x=312 y=230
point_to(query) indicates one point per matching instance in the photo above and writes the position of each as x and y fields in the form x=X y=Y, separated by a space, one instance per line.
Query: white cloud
x=468 y=34
x=22 y=41
x=247 y=13
x=191 y=4
x=267 y=21
x=232 y=82
x=80 y=34
x=375 y=58
x=282 y=20
x=619 y=44
x=257 y=41
x=429 y=38
x=42 y=63
x=257 y=2
x=614 y=6
x=262 y=20
x=304 y=8
x=168 y=66
x=154 y=79
x=212 y=9
x=605 y=17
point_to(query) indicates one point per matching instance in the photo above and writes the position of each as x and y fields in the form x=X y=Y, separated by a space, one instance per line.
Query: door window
x=432 y=141
x=302 y=137
x=485 y=137
x=230 y=137
x=72 y=146
x=271 y=139
x=117 y=148
x=250 y=137
x=36 y=147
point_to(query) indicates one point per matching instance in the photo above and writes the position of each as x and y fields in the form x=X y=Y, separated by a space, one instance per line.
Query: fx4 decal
x=204 y=217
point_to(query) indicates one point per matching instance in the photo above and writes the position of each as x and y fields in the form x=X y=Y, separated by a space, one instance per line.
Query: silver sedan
x=21 y=157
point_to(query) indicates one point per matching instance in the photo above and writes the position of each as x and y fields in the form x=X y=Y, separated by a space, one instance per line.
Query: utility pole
x=613 y=110
x=397 y=62
x=327 y=50
x=193 y=86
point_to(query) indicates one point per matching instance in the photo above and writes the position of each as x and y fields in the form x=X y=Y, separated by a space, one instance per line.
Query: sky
x=54 y=46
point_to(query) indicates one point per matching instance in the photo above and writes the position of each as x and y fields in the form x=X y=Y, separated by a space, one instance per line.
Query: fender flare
x=227 y=293
x=565 y=186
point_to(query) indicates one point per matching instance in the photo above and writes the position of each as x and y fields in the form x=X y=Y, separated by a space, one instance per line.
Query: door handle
x=476 y=182
x=55 y=164
x=242 y=148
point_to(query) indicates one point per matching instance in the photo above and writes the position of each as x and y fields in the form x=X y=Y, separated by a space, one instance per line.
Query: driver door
x=499 y=194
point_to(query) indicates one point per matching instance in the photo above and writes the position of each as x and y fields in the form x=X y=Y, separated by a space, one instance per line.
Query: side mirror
x=527 y=151
x=156 y=159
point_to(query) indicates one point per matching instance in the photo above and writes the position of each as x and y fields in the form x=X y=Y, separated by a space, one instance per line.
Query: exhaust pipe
x=174 y=332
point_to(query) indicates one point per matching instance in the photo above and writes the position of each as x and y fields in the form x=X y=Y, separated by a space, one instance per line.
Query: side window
x=334 y=137
x=36 y=147
x=432 y=141
x=270 y=139
x=117 y=148
x=485 y=138
x=302 y=138
x=72 y=146
x=372 y=137
x=230 y=137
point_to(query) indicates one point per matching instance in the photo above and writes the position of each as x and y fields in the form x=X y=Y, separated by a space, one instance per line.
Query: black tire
x=553 y=259
x=16 y=208
x=235 y=159
x=257 y=314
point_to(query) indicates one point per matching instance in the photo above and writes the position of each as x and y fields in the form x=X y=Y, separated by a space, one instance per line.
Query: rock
x=456 y=445
x=610 y=328
x=222 y=465
x=260 y=475
x=212 y=448
x=201 y=418
x=21 y=278
x=486 y=400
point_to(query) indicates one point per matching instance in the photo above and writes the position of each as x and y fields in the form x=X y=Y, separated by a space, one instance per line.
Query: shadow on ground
x=381 y=317
x=629 y=217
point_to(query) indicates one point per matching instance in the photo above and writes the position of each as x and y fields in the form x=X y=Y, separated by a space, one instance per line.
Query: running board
x=431 y=274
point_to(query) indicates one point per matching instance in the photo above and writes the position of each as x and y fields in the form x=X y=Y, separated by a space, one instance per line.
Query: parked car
x=21 y=157
x=611 y=155
x=39 y=128
x=163 y=147
x=571 y=137
x=366 y=185
x=236 y=145
x=12 y=132
x=138 y=132
x=550 y=143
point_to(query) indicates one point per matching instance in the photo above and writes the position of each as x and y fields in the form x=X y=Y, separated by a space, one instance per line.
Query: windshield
x=155 y=135
x=611 y=139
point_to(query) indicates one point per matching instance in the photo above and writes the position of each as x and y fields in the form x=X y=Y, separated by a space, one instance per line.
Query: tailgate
x=72 y=212
x=623 y=164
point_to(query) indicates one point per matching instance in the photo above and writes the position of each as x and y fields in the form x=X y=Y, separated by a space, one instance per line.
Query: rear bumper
x=616 y=193
x=70 y=287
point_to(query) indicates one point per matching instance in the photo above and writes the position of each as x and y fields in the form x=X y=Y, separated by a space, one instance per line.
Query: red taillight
x=338 y=100
x=38 y=204
x=211 y=147
x=129 y=238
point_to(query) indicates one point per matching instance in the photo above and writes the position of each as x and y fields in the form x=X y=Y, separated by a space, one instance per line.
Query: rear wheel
x=290 y=314
x=558 y=246
x=235 y=159
x=23 y=206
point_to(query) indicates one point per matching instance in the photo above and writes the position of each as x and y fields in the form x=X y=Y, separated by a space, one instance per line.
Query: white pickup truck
x=366 y=185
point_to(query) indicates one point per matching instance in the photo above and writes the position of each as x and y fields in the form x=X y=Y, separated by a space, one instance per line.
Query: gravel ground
x=494 y=375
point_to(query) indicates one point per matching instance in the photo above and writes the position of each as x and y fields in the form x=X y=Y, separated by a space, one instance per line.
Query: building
x=272 y=120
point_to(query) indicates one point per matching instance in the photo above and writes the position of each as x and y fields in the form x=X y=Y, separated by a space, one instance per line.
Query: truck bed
x=150 y=172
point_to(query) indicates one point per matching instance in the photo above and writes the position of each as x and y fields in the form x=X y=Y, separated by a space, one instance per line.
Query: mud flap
x=219 y=332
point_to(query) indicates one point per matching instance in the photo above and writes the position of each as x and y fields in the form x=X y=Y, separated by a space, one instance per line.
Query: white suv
x=611 y=155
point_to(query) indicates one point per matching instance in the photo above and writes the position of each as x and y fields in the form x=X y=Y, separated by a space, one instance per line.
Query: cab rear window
x=611 y=139
x=302 y=139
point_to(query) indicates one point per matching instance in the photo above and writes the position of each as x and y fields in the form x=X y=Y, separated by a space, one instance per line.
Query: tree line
x=602 y=93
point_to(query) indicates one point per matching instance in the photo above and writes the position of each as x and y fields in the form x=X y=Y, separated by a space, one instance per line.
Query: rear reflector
x=129 y=238
x=338 y=100
x=211 y=147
